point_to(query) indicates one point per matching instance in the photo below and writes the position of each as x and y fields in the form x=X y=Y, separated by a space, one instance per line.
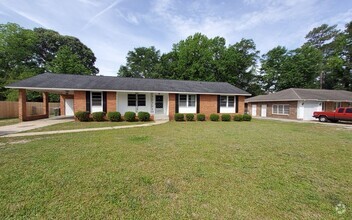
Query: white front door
x=159 y=104
x=254 y=110
x=69 y=107
x=96 y=100
x=263 y=111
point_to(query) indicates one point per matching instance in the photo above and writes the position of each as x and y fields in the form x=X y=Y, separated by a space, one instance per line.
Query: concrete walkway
x=82 y=130
x=29 y=125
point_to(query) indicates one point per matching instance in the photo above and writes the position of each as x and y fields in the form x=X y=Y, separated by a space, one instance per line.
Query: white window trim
x=91 y=99
x=187 y=101
x=93 y=107
x=283 y=108
x=227 y=101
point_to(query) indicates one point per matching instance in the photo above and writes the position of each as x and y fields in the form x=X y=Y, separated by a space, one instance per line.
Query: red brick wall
x=62 y=103
x=208 y=105
x=172 y=104
x=79 y=101
x=241 y=104
x=22 y=99
x=269 y=109
x=111 y=102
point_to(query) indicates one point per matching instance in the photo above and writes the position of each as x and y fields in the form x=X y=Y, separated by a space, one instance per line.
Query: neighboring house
x=297 y=103
x=161 y=98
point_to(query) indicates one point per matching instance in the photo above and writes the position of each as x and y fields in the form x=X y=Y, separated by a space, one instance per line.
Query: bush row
x=213 y=117
x=111 y=116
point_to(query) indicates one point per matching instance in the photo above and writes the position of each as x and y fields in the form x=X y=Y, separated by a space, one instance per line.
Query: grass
x=8 y=121
x=82 y=125
x=213 y=170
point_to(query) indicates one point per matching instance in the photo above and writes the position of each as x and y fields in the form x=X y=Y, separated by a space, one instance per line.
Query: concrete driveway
x=341 y=124
x=29 y=125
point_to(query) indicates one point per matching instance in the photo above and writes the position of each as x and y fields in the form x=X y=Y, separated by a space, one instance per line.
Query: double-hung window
x=136 y=100
x=187 y=100
x=281 y=109
x=96 y=99
x=227 y=101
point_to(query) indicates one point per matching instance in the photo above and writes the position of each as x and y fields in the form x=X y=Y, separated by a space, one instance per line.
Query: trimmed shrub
x=238 y=117
x=225 y=117
x=214 y=117
x=98 y=116
x=143 y=116
x=200 y=117
x=130 y=116
x=82 y=116
x=179 y=117
x=190 y=117
x=114 y=116
x=247 y=117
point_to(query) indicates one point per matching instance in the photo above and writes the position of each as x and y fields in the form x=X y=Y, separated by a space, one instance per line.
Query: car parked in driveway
x=340 y=114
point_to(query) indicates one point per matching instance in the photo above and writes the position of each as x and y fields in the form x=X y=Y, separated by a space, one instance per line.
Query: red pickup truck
x=343 y=114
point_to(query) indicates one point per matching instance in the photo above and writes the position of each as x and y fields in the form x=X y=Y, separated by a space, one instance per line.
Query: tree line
x=323 y=61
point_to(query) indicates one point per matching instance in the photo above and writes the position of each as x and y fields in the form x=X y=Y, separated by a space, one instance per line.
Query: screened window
x=227 y=101
x=191 y=100
x=136 y=100
x=131 y=99
x=96 y=98
x=183 y=101
x=223 y=101
x=187 y=100
x=281 y=109
x=141 y=99
x=231 y=101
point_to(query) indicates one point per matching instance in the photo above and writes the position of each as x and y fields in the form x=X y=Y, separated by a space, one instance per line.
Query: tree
x=25 y=53
x=323 y=39
x=65 y=61
x=50 y=42
x=272 y=66
x=143 y=62
x=239 y=65
x=17 y=46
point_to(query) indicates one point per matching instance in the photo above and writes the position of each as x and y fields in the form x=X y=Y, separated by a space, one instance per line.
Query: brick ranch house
x=297 y=103
x=161 y=98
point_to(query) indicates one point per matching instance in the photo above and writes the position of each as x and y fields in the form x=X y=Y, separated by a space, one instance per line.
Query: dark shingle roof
x=294 y=94
x=53 y=81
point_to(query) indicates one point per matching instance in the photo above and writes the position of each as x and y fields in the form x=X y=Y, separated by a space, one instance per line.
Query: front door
x=254 y=110
x=263 y=111
x=69 y=107
x=159 y=104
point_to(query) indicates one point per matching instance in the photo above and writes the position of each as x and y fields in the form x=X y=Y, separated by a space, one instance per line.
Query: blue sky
x=113 y=27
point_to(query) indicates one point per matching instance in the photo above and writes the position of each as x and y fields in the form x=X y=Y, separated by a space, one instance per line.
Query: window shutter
x=218 y=106
x=176 y=103
x=88 y=101
x=104 y=102
x=198 y=103
x=236 y=97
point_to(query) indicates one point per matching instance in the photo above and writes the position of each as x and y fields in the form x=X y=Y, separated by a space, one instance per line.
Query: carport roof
x=295 y=94
x=53 y=81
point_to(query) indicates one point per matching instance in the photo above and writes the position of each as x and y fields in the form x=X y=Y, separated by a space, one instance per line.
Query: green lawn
x=82 y=125
x=10 y=121
x=213 y=170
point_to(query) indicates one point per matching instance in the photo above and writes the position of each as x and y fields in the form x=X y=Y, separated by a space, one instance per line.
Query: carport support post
x=46 y=104
x=22 y=99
